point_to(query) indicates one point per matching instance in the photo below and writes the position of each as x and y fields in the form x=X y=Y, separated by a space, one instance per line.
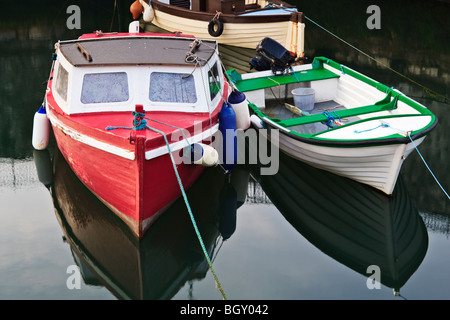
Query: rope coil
x=331 y=121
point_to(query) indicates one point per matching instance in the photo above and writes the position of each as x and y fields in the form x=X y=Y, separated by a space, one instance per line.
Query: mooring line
x=140 y=124
x=385 y=125
x=427 y=90
x=442 y=188
x=190 y=214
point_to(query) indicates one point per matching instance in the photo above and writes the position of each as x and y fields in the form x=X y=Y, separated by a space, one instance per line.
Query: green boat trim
x=273 y=81
x=395 y=138
x=318 y=72
x=382 y=105
x=318 y=64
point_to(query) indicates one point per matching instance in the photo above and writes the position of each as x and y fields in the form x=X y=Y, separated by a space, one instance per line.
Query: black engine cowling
x=272 y=56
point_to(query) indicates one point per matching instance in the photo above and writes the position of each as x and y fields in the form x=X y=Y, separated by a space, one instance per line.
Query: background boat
x=239 y=23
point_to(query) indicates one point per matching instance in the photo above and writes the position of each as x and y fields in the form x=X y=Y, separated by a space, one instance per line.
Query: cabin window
x=214 y=81
x=172 y=87
x=62 y=79
x=105 y=87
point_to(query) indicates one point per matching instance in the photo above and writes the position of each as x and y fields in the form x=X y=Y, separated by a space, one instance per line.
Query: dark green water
x=314 y=242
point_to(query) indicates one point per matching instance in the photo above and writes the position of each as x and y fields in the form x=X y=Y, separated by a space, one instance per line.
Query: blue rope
x=337 y=116
x=292 y=69
x=169 y=125
x=140 y=123
x=409 y=135
x=330 y=119
x=381 y=125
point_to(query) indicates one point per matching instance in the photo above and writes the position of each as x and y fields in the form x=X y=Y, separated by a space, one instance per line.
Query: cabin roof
x=134 y=50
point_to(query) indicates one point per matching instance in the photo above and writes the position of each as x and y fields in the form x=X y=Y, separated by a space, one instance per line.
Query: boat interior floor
x=276 y=110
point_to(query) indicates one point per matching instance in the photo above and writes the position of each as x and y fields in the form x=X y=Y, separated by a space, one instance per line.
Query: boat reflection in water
x=168 y=256
x=354 y=224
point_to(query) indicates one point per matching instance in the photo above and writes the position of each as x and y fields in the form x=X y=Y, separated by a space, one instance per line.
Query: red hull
x=125 y=165
x=137 y=190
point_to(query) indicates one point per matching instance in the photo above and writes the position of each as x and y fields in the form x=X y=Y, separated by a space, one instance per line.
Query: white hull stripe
x=182 y=143
x=124 y=153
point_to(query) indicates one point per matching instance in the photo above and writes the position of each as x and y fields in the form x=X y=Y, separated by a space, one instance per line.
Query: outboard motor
x=273 y=56
x=260 y=64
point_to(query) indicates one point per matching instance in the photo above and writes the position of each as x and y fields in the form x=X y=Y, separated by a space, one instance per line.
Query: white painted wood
x=245 y=35
x=75 y=135
x=138 y=86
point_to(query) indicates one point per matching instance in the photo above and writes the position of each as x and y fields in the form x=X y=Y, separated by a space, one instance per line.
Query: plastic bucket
x=304 y=98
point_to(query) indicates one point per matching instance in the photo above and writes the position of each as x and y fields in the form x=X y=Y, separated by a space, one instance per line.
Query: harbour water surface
x=300 y=234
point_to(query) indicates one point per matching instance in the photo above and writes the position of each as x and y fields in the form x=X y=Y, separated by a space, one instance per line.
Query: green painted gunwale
x=320 y=73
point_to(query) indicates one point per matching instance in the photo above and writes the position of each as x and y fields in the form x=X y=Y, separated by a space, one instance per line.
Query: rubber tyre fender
x=215 y=27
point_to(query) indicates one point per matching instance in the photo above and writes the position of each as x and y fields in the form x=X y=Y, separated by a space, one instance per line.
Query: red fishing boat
x=134 y=115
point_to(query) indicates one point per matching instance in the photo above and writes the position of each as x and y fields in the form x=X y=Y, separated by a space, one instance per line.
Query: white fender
x=41 y=129
x=133 y=27
x=256 y=121
x=148 y=11
x=204 y=155
x=240 y=106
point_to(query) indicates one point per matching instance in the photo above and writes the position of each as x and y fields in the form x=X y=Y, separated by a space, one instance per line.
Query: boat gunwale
x=312 y=139
x=377 y=85
x=120 y=142
x=227 y=17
